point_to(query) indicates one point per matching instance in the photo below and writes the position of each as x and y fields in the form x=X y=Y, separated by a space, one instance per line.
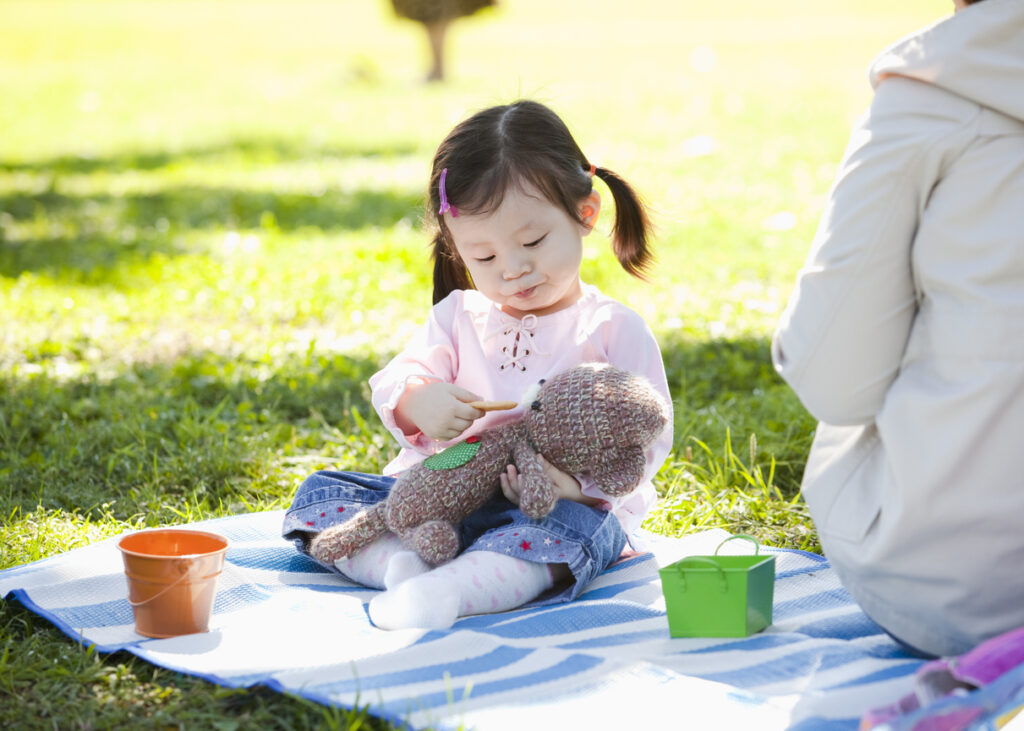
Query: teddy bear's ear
x=620 y=471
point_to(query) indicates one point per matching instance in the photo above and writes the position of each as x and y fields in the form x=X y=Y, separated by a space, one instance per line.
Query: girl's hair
x=519 y=144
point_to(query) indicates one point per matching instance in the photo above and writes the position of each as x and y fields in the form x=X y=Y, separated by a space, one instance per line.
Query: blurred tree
x=436 y=16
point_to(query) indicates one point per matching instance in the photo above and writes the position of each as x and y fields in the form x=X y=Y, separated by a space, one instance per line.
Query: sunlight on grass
x=42 y=533
x=711 y=490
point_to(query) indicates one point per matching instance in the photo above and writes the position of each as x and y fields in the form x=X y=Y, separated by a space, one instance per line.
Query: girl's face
x=525 y=255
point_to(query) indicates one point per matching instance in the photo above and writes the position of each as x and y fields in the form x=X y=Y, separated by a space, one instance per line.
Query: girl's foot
x=368 y=566
x=478 y=582
x=403 y=566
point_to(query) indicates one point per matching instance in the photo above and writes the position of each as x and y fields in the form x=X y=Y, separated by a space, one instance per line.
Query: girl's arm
x=631 y=345
x=841 y=340
x=437 y=409
x=628 y=343
x=414 y=394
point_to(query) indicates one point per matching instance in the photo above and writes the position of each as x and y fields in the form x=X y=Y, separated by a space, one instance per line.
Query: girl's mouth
x=525 y=293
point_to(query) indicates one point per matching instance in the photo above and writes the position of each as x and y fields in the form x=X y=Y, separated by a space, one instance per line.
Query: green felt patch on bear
x=455 y=456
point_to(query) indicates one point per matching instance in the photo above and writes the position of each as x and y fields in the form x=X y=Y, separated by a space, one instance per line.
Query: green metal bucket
x=719 y=596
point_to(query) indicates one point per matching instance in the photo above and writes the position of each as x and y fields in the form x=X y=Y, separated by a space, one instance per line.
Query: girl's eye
x=535 y=243
x=486 y=259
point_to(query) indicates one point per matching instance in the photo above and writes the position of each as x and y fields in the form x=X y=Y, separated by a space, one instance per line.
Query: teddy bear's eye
x=535 y=405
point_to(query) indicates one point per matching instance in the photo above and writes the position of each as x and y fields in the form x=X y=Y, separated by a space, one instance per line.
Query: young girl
x=512 y=197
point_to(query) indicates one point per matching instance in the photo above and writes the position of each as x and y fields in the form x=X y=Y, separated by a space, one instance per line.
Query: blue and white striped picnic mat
x=603 y=661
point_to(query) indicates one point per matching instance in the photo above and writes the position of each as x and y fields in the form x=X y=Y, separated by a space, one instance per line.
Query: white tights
x=477 y=582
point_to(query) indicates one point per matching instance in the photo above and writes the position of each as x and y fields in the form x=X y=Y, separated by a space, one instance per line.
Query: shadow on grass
x=260 y=151
x=197 y=207
x=205 y=432
x=86 y=259
x=726 y=390
x=703 y=371
x=225 y=430
x=144 y=225
x=69 y=236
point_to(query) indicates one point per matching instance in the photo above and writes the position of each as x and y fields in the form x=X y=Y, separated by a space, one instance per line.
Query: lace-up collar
x=518 y=342
x=518 y=335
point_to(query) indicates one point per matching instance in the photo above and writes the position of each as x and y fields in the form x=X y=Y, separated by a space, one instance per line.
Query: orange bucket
x=172 y=577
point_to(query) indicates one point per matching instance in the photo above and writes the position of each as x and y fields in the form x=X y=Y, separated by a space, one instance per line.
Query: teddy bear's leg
x=435 y=541
x=427 y=601
x=344 y=539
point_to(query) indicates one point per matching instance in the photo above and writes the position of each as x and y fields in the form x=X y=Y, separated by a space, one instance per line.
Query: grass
x=210 y=238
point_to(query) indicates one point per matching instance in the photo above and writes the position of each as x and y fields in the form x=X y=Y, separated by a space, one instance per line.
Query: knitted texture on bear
x=594 y=419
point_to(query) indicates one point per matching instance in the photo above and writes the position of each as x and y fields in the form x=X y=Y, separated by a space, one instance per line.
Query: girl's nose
x=516 y=268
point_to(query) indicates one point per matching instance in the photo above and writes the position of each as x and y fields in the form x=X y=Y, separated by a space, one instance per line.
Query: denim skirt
x=585 y=539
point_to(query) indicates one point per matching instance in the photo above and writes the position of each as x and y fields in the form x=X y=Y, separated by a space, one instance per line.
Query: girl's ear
x=589 y=209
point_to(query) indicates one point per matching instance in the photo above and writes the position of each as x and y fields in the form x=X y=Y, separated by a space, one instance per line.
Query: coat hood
x=977 y=53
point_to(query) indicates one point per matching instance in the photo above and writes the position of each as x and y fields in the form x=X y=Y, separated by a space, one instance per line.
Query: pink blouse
x=468 y=341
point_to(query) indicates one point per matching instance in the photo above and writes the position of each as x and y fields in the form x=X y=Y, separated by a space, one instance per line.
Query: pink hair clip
x=445 y=205
x=592 y=170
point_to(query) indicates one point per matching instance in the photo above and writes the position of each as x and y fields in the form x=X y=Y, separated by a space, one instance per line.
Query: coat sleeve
x=842 y=336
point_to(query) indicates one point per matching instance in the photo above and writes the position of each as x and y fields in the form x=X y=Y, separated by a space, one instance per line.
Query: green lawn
x=210 y=238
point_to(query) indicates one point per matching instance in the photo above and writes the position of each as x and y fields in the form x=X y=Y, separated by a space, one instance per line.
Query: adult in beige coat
x=905 y=338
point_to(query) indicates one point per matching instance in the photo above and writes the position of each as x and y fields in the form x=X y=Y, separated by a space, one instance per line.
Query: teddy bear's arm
x=537 y=494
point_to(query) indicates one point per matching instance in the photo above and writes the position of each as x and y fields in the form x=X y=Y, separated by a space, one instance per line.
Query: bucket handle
x=188 y=570
x=702 y=559
x=757 y=546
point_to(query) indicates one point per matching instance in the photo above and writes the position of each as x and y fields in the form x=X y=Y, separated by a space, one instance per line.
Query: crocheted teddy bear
x=594 y=419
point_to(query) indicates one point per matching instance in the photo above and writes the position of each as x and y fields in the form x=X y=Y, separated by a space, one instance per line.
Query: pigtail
x=632 y=225
x=449 y=272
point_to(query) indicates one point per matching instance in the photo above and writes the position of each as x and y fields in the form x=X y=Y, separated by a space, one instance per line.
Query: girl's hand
x=439 y=410
x=566 y=486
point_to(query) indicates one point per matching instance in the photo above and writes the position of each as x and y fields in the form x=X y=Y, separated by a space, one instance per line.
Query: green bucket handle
x=701 y=559
x=757 y=546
